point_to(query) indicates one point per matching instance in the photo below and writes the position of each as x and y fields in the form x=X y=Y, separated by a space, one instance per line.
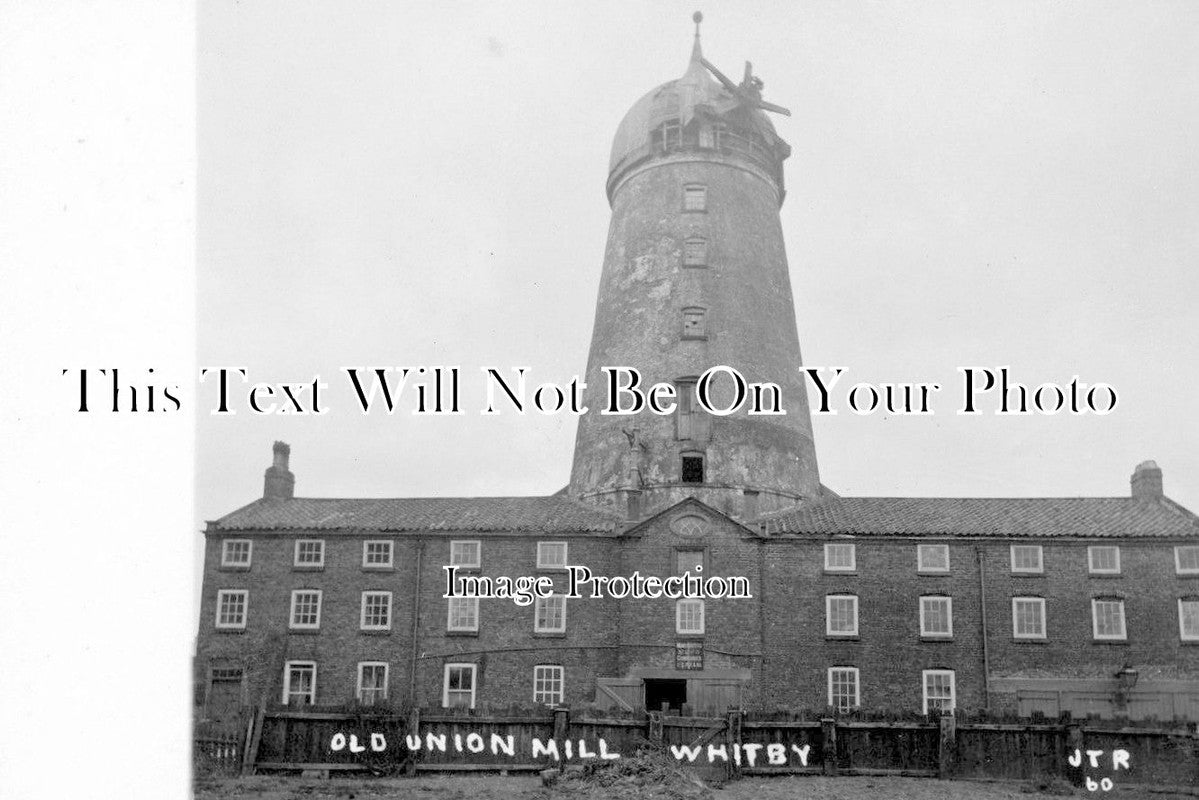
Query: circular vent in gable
x=690 y=525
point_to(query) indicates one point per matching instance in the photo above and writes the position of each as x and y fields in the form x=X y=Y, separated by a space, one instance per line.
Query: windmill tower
x=695 y=276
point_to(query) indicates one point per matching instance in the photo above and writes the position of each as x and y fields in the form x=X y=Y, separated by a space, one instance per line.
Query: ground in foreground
x=482 y=787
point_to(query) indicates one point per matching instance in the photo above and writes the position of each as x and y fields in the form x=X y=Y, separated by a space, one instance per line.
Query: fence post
x=655 y=726
x=1074 y=743
x=828 y=744
x=413 y=730
x=561 y=730
x=946 y=744
x=733 y=737
x=247 y=767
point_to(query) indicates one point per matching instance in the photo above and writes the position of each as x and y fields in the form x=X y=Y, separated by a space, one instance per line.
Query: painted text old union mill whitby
x=1088 y=605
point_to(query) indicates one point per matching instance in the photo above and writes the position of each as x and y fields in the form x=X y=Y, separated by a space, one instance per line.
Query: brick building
x=1042 y=604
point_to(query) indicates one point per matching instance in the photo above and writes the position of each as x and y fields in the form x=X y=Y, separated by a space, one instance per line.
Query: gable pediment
x=691 y=518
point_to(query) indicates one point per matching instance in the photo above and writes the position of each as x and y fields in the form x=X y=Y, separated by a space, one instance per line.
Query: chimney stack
x=1147 y=481
x=279 y=483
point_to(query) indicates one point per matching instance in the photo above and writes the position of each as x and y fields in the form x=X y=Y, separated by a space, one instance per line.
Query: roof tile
x=541 y=514
x=1090 y=517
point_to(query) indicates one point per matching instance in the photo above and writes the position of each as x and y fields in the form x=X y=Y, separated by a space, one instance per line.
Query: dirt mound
x=650 y=773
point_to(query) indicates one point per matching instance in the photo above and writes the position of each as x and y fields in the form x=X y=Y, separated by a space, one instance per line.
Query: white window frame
x=390 y=563
x=555 y=698
x=445 y=683
x=291 y=617
x=478 y=544
x=924 y=631
x=310 y=564
x=698 y=190
x=857 y=687
x=953 y=689
x=449 y=614
x=1178 y=568
x=678 y=617
x=922 y=567
x=245 y=609
x=1182 y=633
x=830 y=547
x=541 y=603
x=1122 y=635
x=1040 y=602
x=386 y=681
x=1038 y=570
x=225 y=562
x=1092 y=569
x=287 y=667
x=828 y=614
x=543 y=563
x=362 y=613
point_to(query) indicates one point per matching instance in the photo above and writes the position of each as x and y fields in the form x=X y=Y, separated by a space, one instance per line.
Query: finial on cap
x=697 y=56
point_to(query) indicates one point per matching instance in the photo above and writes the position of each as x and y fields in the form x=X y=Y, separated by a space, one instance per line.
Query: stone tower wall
x=749 y=324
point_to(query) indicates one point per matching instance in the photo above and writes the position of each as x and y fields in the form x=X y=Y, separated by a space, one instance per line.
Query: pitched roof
x=537 y=514
x=1089 y=517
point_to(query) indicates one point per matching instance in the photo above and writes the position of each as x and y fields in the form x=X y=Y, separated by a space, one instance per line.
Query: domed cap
x=696 y=92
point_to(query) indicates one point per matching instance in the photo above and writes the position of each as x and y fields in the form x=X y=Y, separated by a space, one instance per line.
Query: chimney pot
x=279 y=483
x=1146 y=481
x=282 y=454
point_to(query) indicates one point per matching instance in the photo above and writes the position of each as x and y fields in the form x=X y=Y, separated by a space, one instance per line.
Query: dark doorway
x=672 y=692
x=225 y=697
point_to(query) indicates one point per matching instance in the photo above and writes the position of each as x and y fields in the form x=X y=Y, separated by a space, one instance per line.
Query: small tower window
x=693 y=323
x=668 y=136
x=695 y=252
x=710 y=135
x=690 y=421
x=695 y=198
x=684 y=415
x=693 y=468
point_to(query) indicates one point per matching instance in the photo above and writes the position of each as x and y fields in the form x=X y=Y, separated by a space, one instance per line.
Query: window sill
x=307 y=567
x=462 y=633
x=377 y=568
x=926 y=638
x=303 y=631
x=1102 y=575
x=852 y=572
x=1117 y=642
x=931 y=573
x=375 y=631
x=1016 y=640
x=1027 y=574
x=842 y=637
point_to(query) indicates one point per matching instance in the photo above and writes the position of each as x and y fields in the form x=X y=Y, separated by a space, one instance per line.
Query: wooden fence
x=735 y=744
x=218 y=753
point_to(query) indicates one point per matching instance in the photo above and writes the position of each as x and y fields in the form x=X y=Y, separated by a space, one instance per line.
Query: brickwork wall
x=779 y=636
x=731 y=633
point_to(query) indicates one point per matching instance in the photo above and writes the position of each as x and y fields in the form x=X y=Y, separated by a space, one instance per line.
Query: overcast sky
x=985 y=184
